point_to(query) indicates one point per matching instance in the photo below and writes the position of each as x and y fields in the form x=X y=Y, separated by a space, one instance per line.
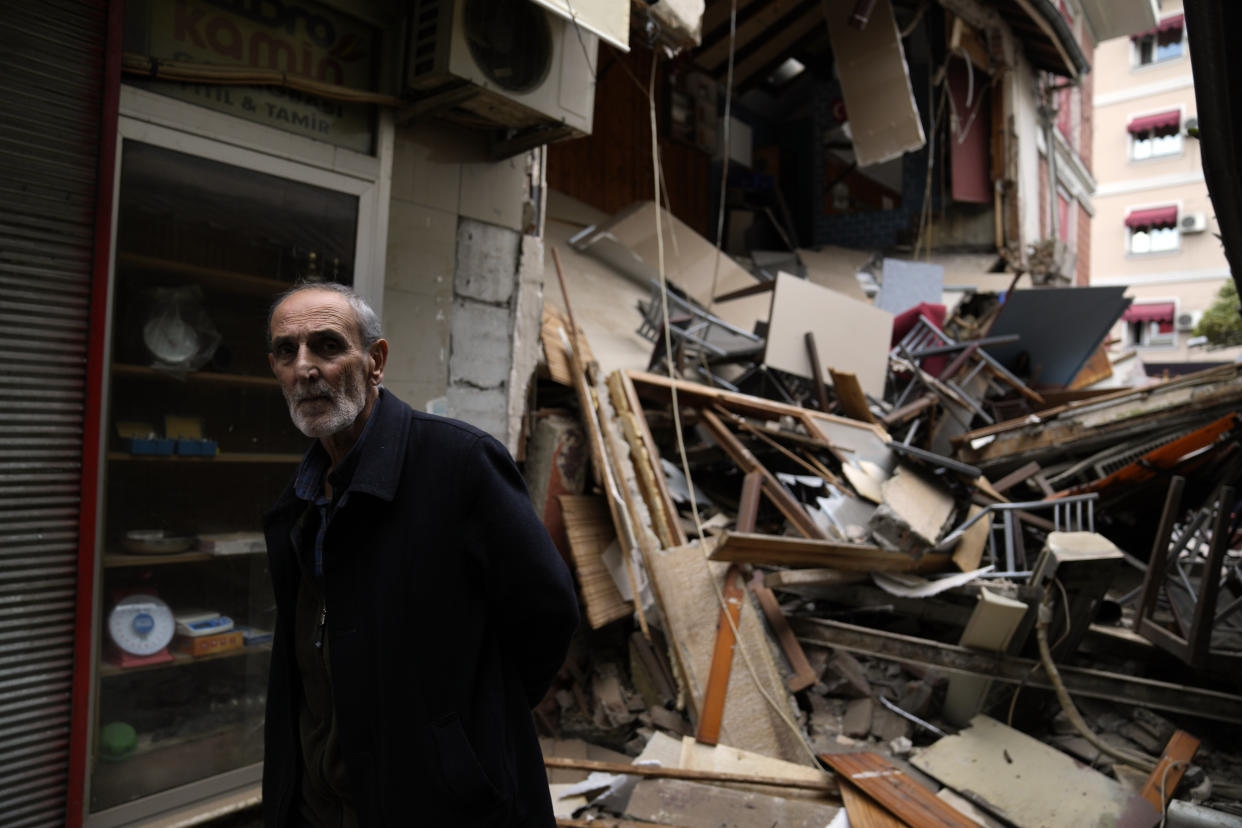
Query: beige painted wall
x=1191 y=275
x=1113 y=65
x=1111 y=261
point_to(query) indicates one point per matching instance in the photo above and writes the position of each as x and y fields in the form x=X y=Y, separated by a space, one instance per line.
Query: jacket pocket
x=463 y=776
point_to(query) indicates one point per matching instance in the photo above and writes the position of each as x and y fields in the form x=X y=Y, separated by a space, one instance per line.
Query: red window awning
x=1150 y=312
x=1155 y=217
x=1169 y=122
x=1170 y=29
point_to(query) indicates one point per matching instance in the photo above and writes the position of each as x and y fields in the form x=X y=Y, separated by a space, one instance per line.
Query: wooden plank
x=850 y=395
x=909 y=411
x=1156 y=562
x=1170 y=770
x=712 y=710
x=817 y=373
x=865 y=812
x=803 y=675
x=768 y=14
x=1016 y=476
x=968 y=553
x=747 y=462
x=790 y=579
x=777 y=550
x=1200 y=637
x=696 y=394
x=748 y=503
x=826 y=785
x=673 y=526
x=590 y=530
x=898 y=793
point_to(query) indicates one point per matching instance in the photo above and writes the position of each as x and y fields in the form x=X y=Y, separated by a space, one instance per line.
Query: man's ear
x=377 y=358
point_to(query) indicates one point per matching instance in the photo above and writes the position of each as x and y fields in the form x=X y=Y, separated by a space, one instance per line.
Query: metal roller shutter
x=51 y=61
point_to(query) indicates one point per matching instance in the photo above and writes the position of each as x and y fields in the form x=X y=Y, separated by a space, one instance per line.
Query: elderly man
x=421 y=608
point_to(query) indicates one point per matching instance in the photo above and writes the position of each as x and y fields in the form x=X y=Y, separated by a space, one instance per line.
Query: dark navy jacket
x=449 y=613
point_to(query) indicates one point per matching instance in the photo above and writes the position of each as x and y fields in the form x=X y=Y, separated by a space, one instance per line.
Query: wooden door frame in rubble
x=696 y=395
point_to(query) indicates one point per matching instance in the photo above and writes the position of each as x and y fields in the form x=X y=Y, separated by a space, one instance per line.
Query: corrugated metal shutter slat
x=51 y=83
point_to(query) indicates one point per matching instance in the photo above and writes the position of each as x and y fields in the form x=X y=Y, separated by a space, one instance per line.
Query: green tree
x=1222 y=323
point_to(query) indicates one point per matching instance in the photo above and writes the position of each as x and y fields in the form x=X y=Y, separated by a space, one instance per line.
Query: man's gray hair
x=369 y=328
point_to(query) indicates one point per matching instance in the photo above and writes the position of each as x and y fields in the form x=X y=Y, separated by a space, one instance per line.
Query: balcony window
x=1153 y=230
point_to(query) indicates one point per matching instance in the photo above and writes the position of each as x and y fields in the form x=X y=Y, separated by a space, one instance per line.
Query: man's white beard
x=347 y=403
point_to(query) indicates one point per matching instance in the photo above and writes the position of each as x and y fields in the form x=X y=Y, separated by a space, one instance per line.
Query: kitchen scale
x=140 y=627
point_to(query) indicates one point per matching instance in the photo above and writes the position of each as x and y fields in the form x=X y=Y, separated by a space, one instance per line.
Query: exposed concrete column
x=494 y=338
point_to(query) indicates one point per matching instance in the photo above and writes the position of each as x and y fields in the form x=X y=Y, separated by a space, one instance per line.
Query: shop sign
x=302 y=39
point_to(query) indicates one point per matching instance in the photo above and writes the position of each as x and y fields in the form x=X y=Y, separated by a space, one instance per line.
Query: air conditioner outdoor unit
x=1187 y=320
x=1194 y=223
x=1191 y=123
x=506 y=64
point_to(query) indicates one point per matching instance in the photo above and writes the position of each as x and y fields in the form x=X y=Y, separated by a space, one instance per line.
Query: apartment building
x=1154 y=230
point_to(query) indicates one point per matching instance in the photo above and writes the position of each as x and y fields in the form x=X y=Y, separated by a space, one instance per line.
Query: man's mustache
x=314 y=390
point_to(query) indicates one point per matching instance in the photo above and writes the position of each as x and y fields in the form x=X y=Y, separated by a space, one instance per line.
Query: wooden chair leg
x=1200 y=638
x=1159 y=551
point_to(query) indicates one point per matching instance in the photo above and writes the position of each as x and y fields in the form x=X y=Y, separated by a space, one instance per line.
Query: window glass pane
x=199 y=445
x=1164 y=238
x=1167 y=51
x=1142 y=147
x=1140 y=241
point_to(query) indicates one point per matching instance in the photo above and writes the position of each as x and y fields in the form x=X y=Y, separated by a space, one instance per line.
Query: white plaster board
x=849 y=335
x=875 y=83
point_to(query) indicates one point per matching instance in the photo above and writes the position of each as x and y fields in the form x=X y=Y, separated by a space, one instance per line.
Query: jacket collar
x=381 y=455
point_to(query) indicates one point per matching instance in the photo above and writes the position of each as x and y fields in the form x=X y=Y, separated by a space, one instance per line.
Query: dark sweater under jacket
x=449 y=611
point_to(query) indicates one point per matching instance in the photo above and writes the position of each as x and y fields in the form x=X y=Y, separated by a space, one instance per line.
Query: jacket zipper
x=323 y=618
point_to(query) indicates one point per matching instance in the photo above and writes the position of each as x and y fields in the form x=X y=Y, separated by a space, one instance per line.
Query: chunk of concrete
x=913 y=513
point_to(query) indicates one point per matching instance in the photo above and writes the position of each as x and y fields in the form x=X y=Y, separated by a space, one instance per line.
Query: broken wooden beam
x=900 y=795
x=747 y=462
x=711 y=711
x=803 y=675
x=850 y=396
x=1174 y=762
x=817 y=371
x=654 y=771
x=779 y=550
x=1079 y=681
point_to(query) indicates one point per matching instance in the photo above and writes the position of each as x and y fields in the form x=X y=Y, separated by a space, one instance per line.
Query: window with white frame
x=1157 y=135
x=1150 y=324
x=1165 y=42
x=1152 y=230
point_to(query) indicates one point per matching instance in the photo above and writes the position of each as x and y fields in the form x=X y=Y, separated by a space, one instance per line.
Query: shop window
x=1150 y=324
x=1153 y=230
x=199 y=444
x=1165 y=42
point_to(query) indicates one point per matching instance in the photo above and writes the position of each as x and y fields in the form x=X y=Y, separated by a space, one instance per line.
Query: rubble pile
x=937 y=591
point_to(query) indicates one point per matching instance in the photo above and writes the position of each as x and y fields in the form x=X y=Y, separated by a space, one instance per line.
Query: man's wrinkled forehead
x=314 y=311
